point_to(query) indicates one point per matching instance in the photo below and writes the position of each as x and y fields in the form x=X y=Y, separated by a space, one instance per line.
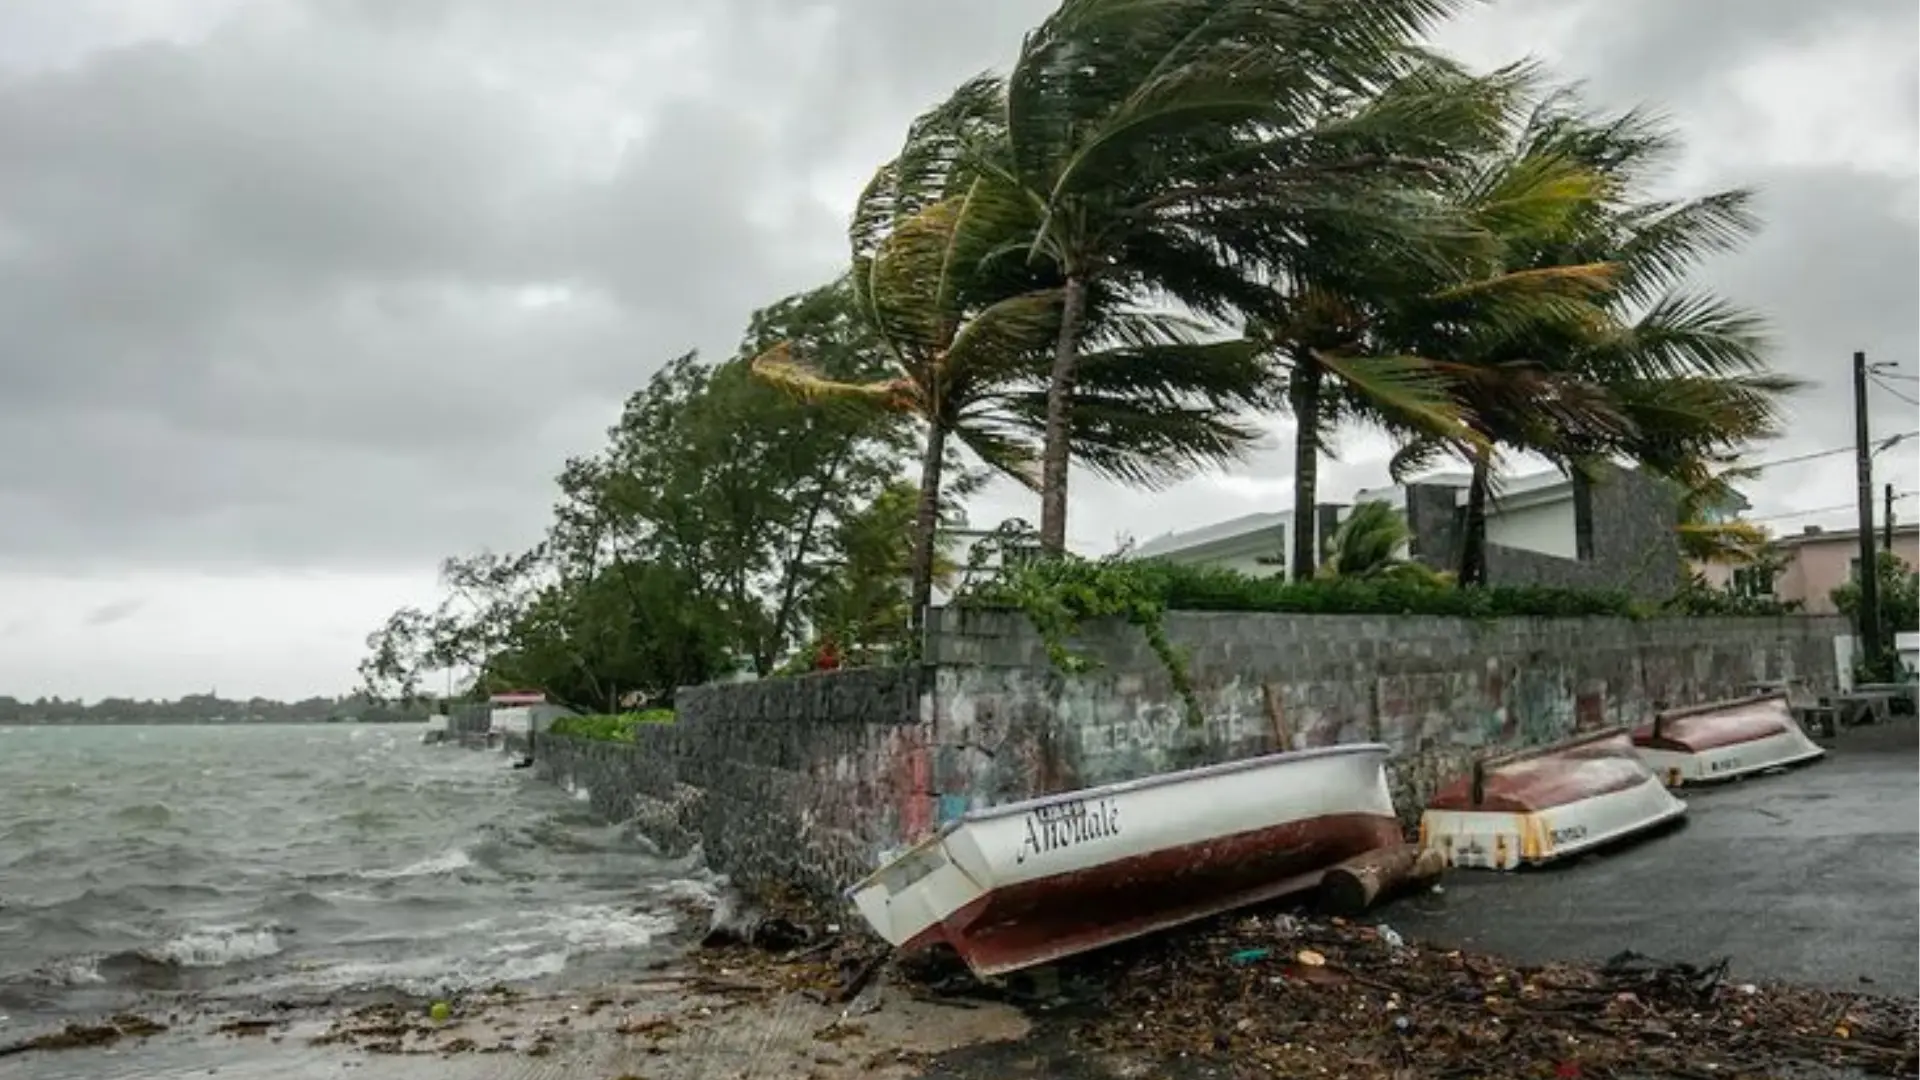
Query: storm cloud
x=335 y=285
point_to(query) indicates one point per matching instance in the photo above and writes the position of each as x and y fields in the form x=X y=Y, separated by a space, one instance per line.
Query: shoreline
x=1273 y=993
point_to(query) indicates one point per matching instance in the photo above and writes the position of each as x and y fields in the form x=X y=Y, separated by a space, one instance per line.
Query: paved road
x=1811 y=876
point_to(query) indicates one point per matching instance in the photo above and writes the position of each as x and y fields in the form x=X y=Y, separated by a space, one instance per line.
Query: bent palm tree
x=967 y=328
x=1176 y=148
x=1631 y=369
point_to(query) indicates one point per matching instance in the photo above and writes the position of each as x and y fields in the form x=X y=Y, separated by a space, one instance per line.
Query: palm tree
x=939 y=274
x=1705 y=537
x=1369 y=545
x=1630 y=367
x=1179 y=149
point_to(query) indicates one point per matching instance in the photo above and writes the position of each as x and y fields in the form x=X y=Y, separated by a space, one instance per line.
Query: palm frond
x=1407 y=388
x=777 y=367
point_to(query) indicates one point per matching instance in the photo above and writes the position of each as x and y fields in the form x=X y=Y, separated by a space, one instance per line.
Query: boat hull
x=1019 y=885
x=1547 y=804
x=1724 y=740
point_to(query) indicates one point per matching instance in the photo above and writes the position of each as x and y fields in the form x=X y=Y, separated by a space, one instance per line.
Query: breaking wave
x=220 y=861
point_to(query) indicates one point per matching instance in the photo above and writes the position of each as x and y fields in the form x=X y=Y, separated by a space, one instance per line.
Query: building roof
x=1231 y=529
x=1814 y=534
x=1531 y=485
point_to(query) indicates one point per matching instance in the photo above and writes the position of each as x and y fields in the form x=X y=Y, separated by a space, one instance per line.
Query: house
x=1614 y=531
x=1814 y=562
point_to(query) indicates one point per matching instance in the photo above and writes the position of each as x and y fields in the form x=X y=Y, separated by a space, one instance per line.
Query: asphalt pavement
x=1810 y=876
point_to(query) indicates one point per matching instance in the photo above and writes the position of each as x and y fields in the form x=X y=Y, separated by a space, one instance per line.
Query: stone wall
x=1438 y=691
x=798 y=780
x=814 y=780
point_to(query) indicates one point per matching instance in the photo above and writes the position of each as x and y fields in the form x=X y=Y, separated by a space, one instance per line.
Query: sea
x=149 y=866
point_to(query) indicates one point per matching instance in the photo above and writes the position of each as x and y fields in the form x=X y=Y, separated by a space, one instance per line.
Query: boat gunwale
x=1514 y=757
x=1715 y=706
x=1167 y=779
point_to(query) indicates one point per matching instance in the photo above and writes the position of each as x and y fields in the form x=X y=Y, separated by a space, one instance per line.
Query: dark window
x=1752 y=581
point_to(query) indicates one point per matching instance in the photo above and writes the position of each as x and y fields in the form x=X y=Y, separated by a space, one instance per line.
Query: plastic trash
x=1392 y=937
x=1251 y=956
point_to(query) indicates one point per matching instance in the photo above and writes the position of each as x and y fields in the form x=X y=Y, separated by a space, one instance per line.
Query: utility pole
x=1886 y=520
x=1863 y=467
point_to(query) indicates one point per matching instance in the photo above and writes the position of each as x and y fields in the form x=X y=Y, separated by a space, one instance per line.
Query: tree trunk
x=1054 y=453
x=1473 y=531
x=1362 y=881
x=1303 y=393
x=926 y=524
x=765 y=656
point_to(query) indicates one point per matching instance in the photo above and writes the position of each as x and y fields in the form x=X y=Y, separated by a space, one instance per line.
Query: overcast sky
x=298 y=296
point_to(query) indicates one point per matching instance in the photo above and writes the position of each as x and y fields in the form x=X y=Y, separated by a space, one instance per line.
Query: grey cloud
x=116 y=611
x=1662 y=51
x=340 y=283
x=1837 y=268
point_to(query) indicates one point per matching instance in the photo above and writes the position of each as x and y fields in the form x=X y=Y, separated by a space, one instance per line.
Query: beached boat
x=1721 y=740
x=1547 y=803
x=1030 y=882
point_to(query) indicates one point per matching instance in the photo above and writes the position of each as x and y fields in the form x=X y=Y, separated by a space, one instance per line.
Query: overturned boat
x=1721 y=740
x=1030 y=882
x=1547 y=803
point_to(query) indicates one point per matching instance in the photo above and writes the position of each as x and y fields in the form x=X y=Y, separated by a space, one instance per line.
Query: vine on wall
x=1057 y=595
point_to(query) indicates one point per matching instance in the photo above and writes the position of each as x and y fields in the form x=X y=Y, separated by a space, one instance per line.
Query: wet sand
x=664 y=1028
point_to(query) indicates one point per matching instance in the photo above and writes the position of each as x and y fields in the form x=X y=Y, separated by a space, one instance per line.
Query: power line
x=1898 y=496
x=1889 y=388
x=1796 y=459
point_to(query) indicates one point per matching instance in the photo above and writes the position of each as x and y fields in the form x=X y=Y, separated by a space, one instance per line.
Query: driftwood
x=1364 y=880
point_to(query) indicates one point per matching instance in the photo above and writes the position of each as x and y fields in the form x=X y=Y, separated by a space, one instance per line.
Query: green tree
x=713 y=471
x=1899 y=613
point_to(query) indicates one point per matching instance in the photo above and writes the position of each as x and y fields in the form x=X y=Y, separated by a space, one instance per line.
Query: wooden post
x=1364 y=880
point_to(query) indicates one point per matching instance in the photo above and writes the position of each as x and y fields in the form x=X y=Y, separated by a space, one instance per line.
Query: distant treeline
x=208 y=709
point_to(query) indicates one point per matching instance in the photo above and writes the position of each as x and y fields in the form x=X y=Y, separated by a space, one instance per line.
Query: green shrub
x=617 y=727
x=1114 y=587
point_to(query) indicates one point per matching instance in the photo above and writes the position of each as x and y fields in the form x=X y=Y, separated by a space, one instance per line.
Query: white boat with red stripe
x=1026 y=883
x=1724 y=740
x=1547 y=803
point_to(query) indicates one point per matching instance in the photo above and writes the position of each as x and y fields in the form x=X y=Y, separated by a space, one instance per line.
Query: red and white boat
x=1547 y=803
x=1721 y=740
x=1030 y=882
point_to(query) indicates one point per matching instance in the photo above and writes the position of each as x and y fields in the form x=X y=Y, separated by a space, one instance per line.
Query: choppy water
x=297 y=862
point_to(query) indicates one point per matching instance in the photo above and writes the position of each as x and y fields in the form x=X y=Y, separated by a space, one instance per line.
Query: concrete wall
x=816 y=779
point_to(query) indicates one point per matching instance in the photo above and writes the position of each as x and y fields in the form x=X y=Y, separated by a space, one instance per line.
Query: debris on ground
x=1359 y=1002
x=1295 y=995
x=76 y=1036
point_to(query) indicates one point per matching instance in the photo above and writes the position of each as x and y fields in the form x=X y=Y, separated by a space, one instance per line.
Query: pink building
x=1819 y=561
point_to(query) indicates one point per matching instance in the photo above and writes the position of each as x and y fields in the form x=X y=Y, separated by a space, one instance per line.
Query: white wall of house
x=1543 y=526
x=1532 y=513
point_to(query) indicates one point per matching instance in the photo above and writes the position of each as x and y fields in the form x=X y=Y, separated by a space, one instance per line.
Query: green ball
x=440 y=1011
